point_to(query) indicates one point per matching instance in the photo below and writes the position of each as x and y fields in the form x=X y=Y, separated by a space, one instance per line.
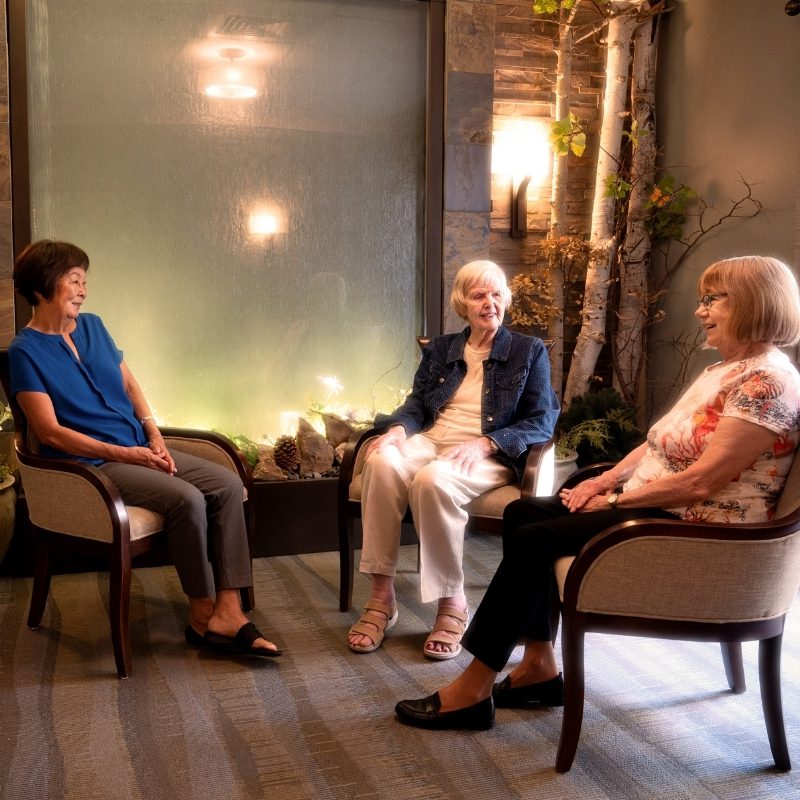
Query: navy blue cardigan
x=518 y=405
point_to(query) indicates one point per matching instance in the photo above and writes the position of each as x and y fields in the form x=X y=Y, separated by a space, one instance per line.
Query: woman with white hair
x=480 y=398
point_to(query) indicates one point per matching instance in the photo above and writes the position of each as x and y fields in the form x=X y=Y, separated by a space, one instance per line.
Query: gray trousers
x=204 y=519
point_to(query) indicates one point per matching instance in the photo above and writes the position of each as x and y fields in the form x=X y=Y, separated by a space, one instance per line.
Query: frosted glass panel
x=241 y=248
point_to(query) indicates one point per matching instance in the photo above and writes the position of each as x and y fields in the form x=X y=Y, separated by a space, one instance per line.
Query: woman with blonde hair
x=721 y=454
x=480 y=398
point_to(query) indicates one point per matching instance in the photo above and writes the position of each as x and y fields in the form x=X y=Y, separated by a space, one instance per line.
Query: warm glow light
x=332 y=385
x=231 y=81
x=230 y=91
x=263 y=223
x=521 y=148
x=288 y=421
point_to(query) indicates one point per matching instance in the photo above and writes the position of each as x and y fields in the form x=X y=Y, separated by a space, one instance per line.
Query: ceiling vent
x=250 y=27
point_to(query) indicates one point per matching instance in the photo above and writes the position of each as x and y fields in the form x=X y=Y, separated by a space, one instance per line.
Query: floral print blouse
x=764 y=390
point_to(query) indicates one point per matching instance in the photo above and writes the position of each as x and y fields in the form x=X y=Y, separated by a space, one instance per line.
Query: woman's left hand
x=586 y=496
x=156 y=444
x=596 y=503
x=464 y=456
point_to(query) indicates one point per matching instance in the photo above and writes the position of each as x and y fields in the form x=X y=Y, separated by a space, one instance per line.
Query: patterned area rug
x=318 y=722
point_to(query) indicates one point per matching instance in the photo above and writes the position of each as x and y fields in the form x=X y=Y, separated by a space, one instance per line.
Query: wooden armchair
x=485 y=511
x=73 y=506
x=692 y=581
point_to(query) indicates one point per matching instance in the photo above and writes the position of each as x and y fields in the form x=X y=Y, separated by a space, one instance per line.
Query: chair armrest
x=584 y=473
x=71 y=497
x=539 y=474
x=350 y=453
x=673 y=569
x=212 y=446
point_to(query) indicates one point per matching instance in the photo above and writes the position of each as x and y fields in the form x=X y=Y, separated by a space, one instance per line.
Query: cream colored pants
x=436 y=493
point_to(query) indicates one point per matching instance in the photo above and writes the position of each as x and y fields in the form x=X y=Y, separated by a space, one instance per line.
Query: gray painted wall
x=729 y=103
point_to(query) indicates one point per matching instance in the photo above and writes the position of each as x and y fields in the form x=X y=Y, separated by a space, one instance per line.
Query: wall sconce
x=521 y=150
x=234 y=80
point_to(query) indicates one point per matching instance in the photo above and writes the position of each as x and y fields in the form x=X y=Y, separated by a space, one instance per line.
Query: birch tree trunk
x=558 y=198
x=595 y=299
x=633 y=314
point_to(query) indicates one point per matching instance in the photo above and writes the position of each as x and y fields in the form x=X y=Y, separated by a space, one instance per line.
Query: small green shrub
x=599 y=426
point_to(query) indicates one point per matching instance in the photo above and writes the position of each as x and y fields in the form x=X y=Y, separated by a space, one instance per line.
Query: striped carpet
x=318 y=723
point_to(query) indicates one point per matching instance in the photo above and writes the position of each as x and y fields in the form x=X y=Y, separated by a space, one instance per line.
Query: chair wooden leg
x=769 y=674
x=41 y=579
x=346 y=563
x=555 y=609
x=734 y=667
x=119 y=612
x=572 y=636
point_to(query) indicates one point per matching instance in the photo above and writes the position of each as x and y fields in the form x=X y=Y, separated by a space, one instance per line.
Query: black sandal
x=241 y=644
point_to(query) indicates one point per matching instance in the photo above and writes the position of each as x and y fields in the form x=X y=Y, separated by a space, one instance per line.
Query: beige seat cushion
x=143 y=522
x=493 y=502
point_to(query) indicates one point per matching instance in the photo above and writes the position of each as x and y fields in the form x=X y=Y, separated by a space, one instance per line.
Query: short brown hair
x=41 y=265
x=763 y=297
x=472 y=274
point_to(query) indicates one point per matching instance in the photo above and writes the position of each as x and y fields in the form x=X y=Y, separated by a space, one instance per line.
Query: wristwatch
x=612 y=498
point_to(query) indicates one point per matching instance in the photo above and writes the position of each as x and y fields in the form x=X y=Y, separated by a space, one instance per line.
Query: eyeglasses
x=707 y=299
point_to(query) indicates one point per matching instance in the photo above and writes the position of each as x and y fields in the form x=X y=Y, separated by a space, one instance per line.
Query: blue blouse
x=88 y=394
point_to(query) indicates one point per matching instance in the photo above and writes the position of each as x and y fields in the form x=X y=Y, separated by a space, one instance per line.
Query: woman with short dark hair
x=82 y=402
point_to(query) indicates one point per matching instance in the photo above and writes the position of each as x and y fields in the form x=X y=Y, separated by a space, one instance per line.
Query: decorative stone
x=316 y=455
x=266 y=469
x=469 y=108
x=337 y=430
x=470 y=36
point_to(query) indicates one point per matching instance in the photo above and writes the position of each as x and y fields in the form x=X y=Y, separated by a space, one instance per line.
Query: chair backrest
x=23 y=435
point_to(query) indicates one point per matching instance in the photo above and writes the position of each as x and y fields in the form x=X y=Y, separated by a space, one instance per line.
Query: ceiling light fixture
x=231 y=81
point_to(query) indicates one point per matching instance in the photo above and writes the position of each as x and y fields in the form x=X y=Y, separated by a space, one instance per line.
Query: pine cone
x=287 y=453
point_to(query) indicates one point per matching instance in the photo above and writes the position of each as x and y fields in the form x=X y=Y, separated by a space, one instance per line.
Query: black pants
x=517 y=603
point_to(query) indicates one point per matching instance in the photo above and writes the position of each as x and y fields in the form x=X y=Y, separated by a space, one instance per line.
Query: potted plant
x=597 y=426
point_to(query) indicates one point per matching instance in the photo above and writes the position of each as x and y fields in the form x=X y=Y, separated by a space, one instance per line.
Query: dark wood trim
x=434 y=169
x=18 y=131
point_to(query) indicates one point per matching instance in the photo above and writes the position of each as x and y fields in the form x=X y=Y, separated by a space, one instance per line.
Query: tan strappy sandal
x=374 y=622
x=447 y=632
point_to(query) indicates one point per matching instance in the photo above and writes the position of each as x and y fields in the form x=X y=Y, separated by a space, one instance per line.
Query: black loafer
x=424 y=713
x=544 y=693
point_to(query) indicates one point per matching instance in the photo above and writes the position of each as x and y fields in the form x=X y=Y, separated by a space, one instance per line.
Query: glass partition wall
x=249 y=183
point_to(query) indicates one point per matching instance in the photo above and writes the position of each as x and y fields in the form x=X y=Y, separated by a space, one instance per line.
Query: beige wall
x=729 y=103
x=6 y=291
